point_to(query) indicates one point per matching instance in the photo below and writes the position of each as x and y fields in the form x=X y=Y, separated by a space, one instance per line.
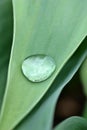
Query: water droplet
x=37 y=68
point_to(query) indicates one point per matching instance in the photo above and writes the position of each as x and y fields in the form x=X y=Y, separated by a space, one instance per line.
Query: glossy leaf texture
x=6 y=25
x=40 y=27
x=42 y=116
x=73 y=123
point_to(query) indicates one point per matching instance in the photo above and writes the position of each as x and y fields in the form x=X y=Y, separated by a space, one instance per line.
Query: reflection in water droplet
x=38 y=68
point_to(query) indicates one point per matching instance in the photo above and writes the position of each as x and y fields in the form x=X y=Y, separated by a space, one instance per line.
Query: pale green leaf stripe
x=73 y=123
x=5 y=41
x=43 y=114
x=43 y=27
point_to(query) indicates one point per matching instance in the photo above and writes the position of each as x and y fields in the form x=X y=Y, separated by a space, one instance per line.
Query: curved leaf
x=6 y=23
x=40 y=27
x=83 y=76
x=73 y=123
x=45 y=109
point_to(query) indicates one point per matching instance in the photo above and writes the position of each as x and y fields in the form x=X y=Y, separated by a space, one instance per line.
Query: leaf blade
x=5 y=42
x=32 y=39
x=73 y=123
x=45 y=109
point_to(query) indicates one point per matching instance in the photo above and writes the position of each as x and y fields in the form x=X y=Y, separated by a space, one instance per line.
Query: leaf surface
x=83 y=76
x=73 y=123
x=6 y=22
x=42 y=116
x=40 y=27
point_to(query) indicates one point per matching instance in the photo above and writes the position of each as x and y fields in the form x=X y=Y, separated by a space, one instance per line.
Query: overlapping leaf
x=45 y=109
x=40 y=27
x=73 y=123
x=6 y=23
x=83 y=75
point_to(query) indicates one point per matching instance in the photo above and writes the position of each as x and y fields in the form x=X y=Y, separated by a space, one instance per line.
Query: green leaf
x=85 y=110
x=40 y=27
x=83 y=76
x=42 y=115
x=6 y=23
x=73 y=123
